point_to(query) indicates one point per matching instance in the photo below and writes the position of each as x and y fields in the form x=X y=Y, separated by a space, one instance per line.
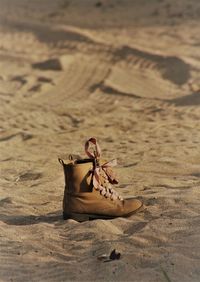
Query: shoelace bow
x=102 y=171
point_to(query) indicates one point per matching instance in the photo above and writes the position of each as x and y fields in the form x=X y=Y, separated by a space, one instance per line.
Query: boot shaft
x=78 y=176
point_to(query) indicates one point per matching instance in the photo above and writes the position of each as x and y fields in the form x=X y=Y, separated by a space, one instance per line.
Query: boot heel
x=77 y=216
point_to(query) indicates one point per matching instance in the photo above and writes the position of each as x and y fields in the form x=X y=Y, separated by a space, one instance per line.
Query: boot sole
x=85 y=217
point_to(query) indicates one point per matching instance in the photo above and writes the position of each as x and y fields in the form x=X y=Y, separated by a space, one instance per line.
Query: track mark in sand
x=8 y=137
x=131 y=165
x=5 y=201
x=81 y=73
x=27 y=176
x=75 y=121
x=151 y=201
x=31 y=219
x=35 y=88
x=49 y=35
x=43 y=79
x=24 y=135
x=138 y=74
x=136 y=227
x=111 y=90
x=172 y=68
x=142 y=74
x=20 y=79
x=51 y=64
x=139 y=83
x=189 y=186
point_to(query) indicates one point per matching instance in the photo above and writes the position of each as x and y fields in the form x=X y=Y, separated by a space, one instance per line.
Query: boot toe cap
x=132 y=206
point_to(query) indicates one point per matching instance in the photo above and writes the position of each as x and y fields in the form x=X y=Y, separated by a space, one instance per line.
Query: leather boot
x=88 y=191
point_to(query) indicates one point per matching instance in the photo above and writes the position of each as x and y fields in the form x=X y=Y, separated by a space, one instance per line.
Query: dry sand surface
x=126 y=72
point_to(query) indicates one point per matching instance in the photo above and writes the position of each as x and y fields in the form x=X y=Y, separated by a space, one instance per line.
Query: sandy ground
x=126 y=72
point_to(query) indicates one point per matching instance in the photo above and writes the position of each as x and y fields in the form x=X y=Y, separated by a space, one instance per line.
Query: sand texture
x=128 y=73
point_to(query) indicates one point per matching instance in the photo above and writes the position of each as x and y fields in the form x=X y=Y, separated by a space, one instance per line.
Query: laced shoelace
x=103 y=175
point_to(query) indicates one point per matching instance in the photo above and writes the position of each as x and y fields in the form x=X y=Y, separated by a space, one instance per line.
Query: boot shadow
x=32 y=219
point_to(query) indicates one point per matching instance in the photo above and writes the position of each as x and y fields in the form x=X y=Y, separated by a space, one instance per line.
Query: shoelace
x=102 y=171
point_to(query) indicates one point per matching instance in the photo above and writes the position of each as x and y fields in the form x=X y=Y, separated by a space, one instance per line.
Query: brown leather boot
x=88 y=192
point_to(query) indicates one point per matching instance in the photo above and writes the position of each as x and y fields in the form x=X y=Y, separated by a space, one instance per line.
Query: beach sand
x=127 y=73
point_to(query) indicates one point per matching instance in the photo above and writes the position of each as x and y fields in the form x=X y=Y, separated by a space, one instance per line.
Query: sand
x=126 y=72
